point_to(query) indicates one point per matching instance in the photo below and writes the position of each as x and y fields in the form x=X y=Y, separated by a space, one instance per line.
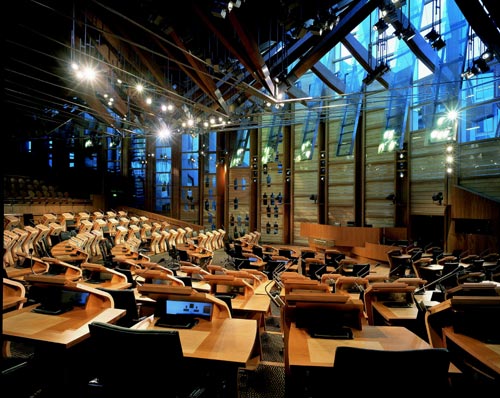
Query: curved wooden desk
x=227 y=343
x=484 y=357
x=65 y=330
x=68 y=253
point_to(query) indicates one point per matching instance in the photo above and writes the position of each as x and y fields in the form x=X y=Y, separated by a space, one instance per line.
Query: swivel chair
x=113 y=347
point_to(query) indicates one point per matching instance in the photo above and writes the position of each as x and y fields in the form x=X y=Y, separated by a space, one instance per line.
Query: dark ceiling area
x=185 y=52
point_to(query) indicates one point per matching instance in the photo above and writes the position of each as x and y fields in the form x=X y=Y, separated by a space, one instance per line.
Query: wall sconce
x=438 y=197
x=314 y=198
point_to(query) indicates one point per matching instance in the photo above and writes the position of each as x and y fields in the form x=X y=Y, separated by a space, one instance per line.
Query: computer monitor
x=193 y=308
x=327 y=317
x=232 y=290
x=96 y=276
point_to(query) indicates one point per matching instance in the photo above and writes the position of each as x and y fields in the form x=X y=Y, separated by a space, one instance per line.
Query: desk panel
x=306 y=351
x=229 y=340
x=65 y=330
x=469 y=351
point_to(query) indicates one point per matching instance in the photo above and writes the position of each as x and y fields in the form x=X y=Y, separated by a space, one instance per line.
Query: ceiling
x=182 y=52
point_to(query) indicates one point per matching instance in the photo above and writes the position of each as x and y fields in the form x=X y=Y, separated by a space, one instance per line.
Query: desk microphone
x=275 y=297
x=318 y=270
x=458 y=269
x=402 y=265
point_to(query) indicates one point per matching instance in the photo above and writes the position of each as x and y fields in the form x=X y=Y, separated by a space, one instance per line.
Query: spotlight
x=432 y=35
x=398 y=3
x=481 y=65
x=381 y=26
x=438 y=197
x=487 y=55
x=435 y=39
x=438 y=44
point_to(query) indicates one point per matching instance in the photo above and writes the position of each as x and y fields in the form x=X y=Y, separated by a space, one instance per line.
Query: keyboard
x=52 y=310
x=343 y=333
x=176 y=321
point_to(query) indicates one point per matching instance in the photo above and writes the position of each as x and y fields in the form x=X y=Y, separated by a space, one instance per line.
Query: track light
x=438 y=44
x=432 y=35
x=398 y=3
x=481 y=65
x=487 y=55
x=435 y=39
x=380 y=26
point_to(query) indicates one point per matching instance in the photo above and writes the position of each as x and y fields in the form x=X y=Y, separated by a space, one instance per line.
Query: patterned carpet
x=268 y=380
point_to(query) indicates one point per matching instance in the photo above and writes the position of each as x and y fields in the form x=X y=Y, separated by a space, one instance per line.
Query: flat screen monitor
x=91 y=276
x=74 y=298
x=57 y=301
x=326 y=316
x=192 y=308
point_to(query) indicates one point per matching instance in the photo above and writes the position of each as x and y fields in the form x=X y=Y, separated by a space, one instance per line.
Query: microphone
x=275 y=297
x=458 y=269
x=364 y=271
x=318 y=276
x=402 y=265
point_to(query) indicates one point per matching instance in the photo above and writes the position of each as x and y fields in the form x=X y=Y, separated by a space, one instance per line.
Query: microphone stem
x=442 y=278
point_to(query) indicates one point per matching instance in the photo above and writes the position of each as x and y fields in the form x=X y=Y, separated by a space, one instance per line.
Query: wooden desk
x=65 y=330
x=401 y=316
x=108 y=285
x=433 y=267
x=229 y=340
x=395 y=316
x=264 y=287
x=228 y=343
x=68 y=253
x=256 y=306
x=63 y=360
x=484 y=357
x=199 y=258
x=313 y=358
x=305 y=351
x=12 y=301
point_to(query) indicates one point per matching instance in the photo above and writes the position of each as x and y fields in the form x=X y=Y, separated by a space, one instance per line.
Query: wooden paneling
x=427 y=176
x=479 y=168
x=240 y=185
x=342 y=236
